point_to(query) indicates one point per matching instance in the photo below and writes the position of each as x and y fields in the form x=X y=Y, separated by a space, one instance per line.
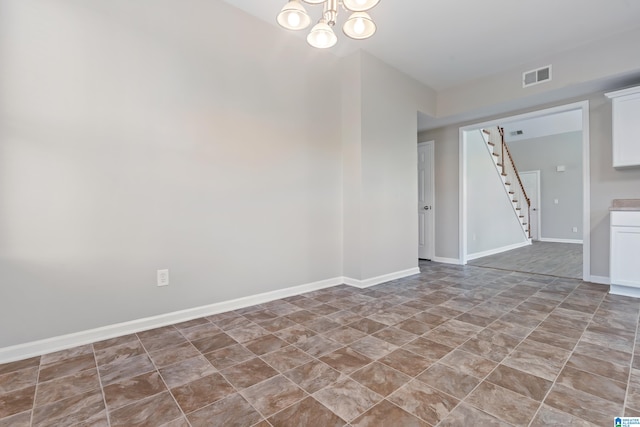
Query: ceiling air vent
x=534 y=77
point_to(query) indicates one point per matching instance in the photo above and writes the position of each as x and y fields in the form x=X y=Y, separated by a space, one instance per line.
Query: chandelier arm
x=330 y=13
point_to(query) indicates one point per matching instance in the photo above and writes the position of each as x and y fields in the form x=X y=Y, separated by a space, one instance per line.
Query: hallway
x=554 y=259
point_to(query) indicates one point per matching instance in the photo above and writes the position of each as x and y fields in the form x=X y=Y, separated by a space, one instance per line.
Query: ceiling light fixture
x=358 y=26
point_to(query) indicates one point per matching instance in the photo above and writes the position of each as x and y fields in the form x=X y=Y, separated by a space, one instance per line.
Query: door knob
x=426 y=208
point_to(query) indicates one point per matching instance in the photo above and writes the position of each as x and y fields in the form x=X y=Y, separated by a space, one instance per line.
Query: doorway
x=426 y=190
x=582 y=108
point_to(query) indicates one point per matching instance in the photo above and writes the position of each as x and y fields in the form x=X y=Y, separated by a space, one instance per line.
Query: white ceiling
x=444 y=43
x=536 y=127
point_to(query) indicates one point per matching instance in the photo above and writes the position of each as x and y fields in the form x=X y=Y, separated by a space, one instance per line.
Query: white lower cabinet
x=625 y=253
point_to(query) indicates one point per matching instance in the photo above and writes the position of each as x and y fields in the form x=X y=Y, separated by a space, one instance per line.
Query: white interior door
x=425 y=200
x=531 y=183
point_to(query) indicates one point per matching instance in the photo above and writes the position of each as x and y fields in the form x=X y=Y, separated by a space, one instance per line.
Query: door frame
x=539 y=221
x=431 y=219
x=586 y=182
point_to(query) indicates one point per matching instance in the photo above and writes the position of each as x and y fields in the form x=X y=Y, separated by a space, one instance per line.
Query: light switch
x=560 y=168
x=555 y=201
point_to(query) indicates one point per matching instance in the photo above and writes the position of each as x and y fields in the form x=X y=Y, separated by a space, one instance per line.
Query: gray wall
x=137 y=136
x=446 y=197
x=491 y=221
x=379 y=106
x=545 y=154
x=503 y=92
x=389 y=179
x=607 y=183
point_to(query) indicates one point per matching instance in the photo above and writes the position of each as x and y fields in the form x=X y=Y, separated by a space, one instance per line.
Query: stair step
x=524 y=223
x=491 y=144
x=496 y=154
x=511 y=192
x=499 y=164
x=506 y=183
x=521 y=216
x=518 y=209
x=486 y=131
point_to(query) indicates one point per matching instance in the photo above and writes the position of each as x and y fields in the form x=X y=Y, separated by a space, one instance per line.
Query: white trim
x=432 y=223
x=477 y=255
x=62 y=342
x=623 y=92
x=601 y=280
x=586 y=179
x=442 y=260
x=586 y=194
x=362 y=284
x=552 y=240
x=626 y=291
x=462 y=196
x=49 y=345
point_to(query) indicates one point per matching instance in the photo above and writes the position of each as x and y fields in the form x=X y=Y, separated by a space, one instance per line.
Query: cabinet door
x=625 y=248
x=626 y=130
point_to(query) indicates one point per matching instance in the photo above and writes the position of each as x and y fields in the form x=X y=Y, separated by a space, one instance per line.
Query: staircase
x=494 y=138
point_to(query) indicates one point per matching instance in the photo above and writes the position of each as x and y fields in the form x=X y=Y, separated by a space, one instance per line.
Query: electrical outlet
x=163 y=277
x=575 y=229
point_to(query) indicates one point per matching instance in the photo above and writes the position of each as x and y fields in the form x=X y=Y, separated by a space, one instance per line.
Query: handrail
x=504 y=146
x=509 y=171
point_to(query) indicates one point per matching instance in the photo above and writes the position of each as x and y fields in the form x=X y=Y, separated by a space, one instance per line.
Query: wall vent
x=516 y=133
x=537 y=76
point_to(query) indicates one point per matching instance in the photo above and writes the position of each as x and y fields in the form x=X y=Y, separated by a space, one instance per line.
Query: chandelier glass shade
x=322 y=36
x=358 y=26
x=359 y=5
x=293 y=16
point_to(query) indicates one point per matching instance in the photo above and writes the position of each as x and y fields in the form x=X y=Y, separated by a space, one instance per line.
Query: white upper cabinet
x=626 y=127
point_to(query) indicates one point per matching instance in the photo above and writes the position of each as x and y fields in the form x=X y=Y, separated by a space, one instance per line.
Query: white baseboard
x=49 y=345
x=362 y=284
x=626 y=291
x=477 y=255
x=454 y=261
x=601 y=280
x=552 y=240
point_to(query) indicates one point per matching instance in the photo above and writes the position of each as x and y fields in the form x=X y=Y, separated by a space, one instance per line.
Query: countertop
x=625 y=205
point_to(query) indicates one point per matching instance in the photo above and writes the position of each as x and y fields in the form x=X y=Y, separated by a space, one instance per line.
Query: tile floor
x=555 y=259
x=452 y=346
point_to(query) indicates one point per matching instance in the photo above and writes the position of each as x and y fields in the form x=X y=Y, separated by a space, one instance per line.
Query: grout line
x=633 y=352
x=184 y=416
x=104 y=398
x=463 y=400
x=456 y=280
x=567 y=361
x=35 y=393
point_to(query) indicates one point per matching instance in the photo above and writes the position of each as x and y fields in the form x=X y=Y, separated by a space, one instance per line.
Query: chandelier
x=358 y=26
